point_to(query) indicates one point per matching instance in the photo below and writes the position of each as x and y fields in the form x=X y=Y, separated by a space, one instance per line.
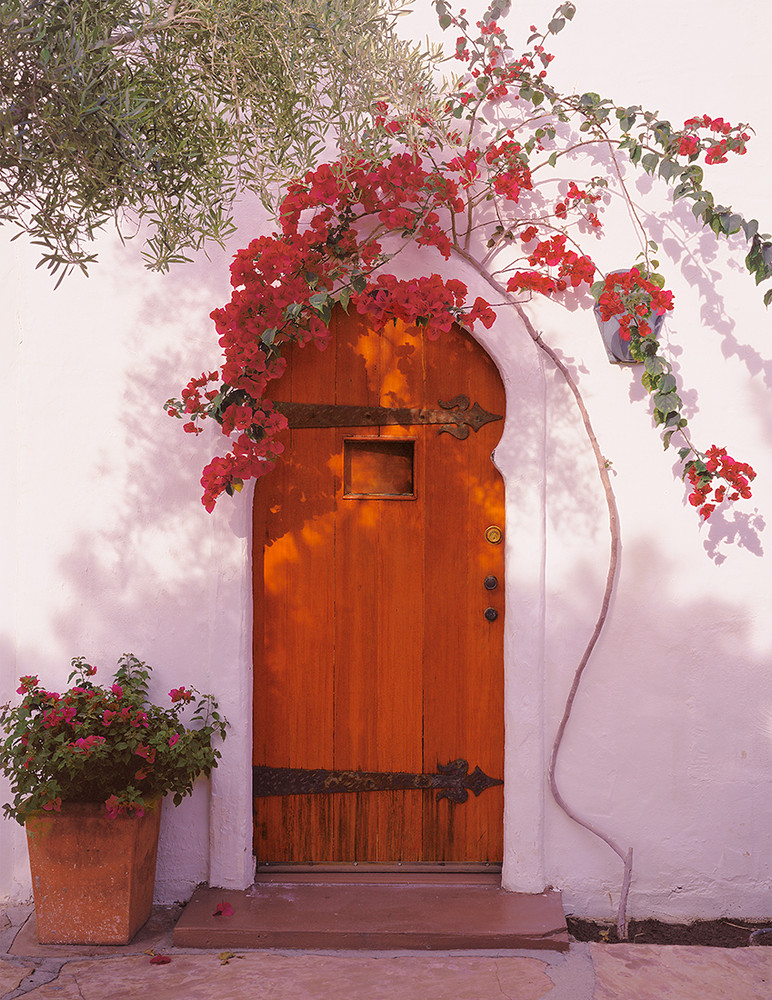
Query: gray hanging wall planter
x=618 y=350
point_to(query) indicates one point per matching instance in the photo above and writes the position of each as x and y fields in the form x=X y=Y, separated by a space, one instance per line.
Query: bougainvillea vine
x=469 y=188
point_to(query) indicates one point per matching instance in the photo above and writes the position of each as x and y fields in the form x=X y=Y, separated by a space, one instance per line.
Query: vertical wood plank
x=293 y=685
x=463 y=673
x=356 y=637
x=400 y=619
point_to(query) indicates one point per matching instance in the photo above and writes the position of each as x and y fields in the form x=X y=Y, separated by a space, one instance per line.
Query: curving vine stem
x=615 y=546
x=613 y=518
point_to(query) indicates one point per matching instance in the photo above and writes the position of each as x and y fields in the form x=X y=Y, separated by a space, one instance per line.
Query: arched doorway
x=378 y=601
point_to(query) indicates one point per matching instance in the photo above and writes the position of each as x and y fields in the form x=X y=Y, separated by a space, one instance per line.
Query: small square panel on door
x=379 y=468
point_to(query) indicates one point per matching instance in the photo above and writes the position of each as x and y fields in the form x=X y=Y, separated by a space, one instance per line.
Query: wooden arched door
x=379 y=605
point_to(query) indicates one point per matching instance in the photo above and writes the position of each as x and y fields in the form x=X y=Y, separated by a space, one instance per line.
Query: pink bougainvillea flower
x=180 y=694
x=54 y=804
x=160 y=960
x=117 y=690
x=173 y=739
x=88 y=743
x=223 y=910
x=28 y=682
x=113 y=806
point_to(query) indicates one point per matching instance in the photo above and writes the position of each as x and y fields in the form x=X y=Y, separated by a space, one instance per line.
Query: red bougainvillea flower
x=160 y=960
x=148 y=753
x=28 y=683
x=88 y=743
x=223 y=910
x=180 y=694
x=702 y=476
x=113 y=806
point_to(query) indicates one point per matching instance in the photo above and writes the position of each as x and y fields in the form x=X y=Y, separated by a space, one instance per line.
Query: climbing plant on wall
x=476 y=180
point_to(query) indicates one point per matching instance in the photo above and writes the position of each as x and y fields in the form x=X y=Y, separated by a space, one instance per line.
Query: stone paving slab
x=678 y=972
x=270 y=976
x=11 y=975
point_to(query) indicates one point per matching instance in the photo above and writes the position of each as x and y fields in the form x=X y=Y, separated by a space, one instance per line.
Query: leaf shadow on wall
x=669 y=748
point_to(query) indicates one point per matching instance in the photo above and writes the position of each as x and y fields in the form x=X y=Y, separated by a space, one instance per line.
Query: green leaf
x=649 y=162
x=654 y=365
x=552 y=159
x=667 y=402
x=556 y=24
x=668 y=169
x=750 y=229
x=768 y=297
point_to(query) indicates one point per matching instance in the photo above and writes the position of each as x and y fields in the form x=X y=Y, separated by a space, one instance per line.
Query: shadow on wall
x=691 y=258
x=669 y=749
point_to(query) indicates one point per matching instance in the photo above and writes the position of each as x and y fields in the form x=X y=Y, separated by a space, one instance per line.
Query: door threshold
x=371 y=868
x=344 y=912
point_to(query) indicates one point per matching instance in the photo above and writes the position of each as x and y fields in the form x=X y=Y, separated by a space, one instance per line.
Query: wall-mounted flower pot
x=92 y=876
x=617 y=349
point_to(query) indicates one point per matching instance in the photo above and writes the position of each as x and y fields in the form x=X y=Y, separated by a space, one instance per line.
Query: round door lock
x=490 y=582
x=493 y=534
x=491 y=614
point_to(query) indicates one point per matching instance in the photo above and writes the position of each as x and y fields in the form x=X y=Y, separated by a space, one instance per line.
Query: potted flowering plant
x=88 y=769
x=630 y=307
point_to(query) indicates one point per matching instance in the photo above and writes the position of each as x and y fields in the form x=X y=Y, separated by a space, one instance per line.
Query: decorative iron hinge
x=452 y=781
x=455 y=417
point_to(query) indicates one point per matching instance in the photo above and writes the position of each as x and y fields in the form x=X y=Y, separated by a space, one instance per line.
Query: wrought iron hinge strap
x=455 y=417
x=451 y=781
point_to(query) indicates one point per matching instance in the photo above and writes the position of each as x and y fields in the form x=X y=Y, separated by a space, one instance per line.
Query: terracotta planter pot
x=92 y=876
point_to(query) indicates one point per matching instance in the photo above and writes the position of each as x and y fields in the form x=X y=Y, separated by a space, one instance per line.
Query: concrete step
x=385 y=912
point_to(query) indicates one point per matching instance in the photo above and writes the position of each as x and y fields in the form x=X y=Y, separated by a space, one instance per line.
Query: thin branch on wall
x=613 y=520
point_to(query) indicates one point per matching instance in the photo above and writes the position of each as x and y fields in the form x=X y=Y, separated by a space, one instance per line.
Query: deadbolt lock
x=493 y=534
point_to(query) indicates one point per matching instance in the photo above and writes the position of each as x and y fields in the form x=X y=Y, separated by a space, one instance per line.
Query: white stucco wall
x=107 y=548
